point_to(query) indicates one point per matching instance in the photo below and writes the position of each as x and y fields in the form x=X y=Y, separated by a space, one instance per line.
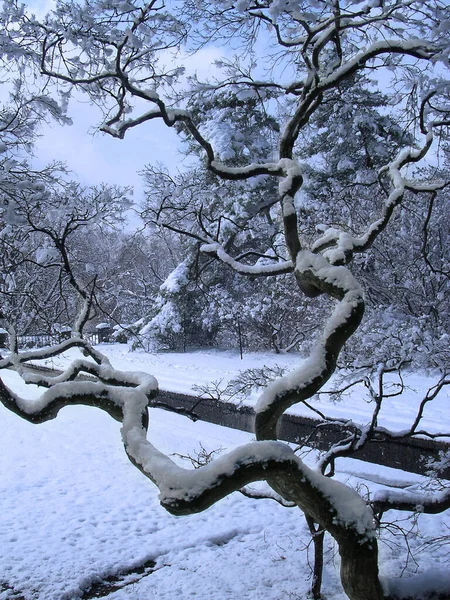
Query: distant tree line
x=162 y=292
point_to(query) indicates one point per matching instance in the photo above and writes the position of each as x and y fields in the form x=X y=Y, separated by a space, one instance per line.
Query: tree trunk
x=317 y=534
x=359 y=570
x=358 y=550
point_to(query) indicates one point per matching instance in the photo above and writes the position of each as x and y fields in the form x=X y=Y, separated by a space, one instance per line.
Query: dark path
x=112 y=583
x=407 y=454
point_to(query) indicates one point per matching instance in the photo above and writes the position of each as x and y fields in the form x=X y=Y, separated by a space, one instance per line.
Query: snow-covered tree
x=218 y=304
x=50 y=242
x=28 y=284
x=130 y=271
x=294 y=59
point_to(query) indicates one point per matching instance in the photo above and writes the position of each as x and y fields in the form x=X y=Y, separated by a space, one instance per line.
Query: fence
x=40 y=340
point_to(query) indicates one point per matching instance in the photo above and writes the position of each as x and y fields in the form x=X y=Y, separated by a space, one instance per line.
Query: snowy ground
x=178 y=372
x=73 y=510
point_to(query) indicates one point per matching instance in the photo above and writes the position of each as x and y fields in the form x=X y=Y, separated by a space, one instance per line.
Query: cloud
x=203 y=62
x=96 y=158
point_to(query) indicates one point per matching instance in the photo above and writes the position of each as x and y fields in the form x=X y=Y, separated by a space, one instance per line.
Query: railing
x=39 y=340
x=413 y=455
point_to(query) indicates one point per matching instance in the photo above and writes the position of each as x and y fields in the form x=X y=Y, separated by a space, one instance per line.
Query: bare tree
x=49 y=223
x=117 y=55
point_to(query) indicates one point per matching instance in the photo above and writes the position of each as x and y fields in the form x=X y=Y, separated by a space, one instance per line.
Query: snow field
x=74 y=510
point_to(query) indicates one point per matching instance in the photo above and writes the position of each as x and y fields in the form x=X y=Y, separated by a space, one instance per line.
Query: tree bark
x=317 y=534
x=358 y=551
x=359 y=570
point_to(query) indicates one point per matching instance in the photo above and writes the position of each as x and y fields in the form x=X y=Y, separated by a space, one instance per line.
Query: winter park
x=225 y=300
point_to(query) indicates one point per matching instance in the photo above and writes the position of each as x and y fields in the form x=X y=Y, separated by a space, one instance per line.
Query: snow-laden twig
x=50 y=351
x=304 y=382
x=339 y=246
x=263 y=270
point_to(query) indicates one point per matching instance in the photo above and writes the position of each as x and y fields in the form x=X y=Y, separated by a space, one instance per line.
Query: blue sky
x=95 y=157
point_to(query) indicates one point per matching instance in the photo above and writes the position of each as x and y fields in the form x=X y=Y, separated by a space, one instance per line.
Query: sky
x=95 y=157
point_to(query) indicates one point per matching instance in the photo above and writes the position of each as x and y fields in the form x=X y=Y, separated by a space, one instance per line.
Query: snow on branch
x=48 y=405
x=17 y=359
x=303 y=383
x=263 y=269
x=186 y=491
x=415 y=47
x=104 y=372
x=423 y=502
x=108 y=391
x=339 y=246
